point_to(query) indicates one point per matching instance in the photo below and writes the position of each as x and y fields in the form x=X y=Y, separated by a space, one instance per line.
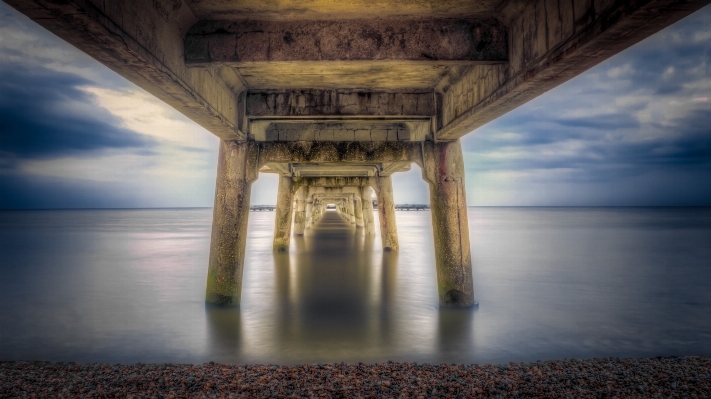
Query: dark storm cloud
x=45 y=114
x=41 y=192
x=600 y=122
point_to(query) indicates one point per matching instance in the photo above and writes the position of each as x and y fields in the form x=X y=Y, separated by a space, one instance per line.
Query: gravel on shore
x=676 y=377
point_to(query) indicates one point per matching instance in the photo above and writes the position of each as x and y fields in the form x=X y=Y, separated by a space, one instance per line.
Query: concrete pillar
x=368 y=218
x=300 y=213
x=444 y=170
x=284 y=212
x=351 y=210
x=236 y=170
x=309 y=212
x=358 y=208
x=386 y=213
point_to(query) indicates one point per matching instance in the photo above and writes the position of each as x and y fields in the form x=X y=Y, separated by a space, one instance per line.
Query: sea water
x=127 y=286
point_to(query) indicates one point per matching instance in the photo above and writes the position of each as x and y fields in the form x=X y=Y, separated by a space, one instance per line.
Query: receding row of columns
x=354 y=203
x=442 y=167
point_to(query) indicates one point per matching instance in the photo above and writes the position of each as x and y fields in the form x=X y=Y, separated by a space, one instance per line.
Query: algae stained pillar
x=444 y=170
x=284 y=212
x=236 y=170
x=386 y=213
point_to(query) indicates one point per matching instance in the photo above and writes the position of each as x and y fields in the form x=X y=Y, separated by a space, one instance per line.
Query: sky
x=633 y=131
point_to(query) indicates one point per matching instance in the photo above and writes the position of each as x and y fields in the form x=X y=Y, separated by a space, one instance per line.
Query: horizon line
x=468 y=206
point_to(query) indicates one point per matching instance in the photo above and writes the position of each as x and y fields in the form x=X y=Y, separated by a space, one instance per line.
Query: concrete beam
x=339 y=130
x=143 y=42
x=346 y=170
x=550 y=42
x=345 y=181
x=323 y=192
x=331 y=151
x=234 y=43
x=330 y=103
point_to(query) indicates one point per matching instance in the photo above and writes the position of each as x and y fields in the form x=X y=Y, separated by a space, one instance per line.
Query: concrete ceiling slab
x=329 y=9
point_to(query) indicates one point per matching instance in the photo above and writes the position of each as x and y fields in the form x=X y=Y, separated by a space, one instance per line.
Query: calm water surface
x=126 y=286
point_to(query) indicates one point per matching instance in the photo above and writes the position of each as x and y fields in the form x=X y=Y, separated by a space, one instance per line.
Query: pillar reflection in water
x=337 y=296
x=224 y=333
x=333 y=286
x=455 y=334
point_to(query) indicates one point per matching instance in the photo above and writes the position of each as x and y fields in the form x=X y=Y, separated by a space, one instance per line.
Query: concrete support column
x=351 y=210
x=309 y=213
x=444 y=170
x=368 y=218
x=236 y=170
x=358 y=211
x=386 y=213
x=300 y=213
x=284 y=212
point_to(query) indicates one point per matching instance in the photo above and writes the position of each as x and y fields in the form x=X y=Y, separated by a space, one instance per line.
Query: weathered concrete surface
x=343 y=9
x=333 y=103
x=283 y=217
x=328 y=151
x=236 y=170
x=379 y=75
x=309 y=215
x=351 y=209
x=368 y=218
x=334 y=131
x=424 y=40
x=386 y=214
x=444 y=171
x=551 y=42
x=358 y=211
x=300 y=213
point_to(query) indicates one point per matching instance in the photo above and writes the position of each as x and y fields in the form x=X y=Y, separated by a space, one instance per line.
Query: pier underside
x=336 y=96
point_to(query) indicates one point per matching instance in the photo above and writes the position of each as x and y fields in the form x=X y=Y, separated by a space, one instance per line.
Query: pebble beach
x=673 y=377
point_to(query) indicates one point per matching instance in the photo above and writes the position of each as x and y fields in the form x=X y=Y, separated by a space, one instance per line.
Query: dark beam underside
x=312 y=102
x=324 y=151
x=455 y=40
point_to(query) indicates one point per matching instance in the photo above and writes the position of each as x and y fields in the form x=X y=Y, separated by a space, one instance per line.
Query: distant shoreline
x=471 y=206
